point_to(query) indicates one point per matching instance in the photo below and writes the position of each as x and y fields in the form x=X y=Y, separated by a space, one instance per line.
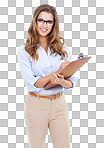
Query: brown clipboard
x=69 y=70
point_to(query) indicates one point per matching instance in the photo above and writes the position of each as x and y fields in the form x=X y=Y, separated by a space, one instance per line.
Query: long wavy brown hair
x=54 y=38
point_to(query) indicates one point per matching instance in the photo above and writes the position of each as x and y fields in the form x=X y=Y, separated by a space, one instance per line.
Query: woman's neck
x=43 y=41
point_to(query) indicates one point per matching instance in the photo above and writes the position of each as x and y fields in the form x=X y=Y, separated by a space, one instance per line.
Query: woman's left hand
x=57 y=78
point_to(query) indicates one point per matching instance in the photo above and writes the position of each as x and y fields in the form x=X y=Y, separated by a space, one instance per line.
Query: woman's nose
x=45 y=24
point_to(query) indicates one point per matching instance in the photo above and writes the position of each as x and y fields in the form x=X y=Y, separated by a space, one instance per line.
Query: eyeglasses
x=41 y=21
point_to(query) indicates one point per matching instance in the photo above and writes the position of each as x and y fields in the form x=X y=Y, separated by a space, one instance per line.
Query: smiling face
x=44 y=28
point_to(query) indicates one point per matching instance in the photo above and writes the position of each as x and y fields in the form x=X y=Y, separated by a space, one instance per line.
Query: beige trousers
x=41 y=114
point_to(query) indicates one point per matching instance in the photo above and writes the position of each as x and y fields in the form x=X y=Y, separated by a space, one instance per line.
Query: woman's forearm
x=44 y=80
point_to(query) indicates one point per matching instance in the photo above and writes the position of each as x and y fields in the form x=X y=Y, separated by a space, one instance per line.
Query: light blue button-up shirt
x=31 y=71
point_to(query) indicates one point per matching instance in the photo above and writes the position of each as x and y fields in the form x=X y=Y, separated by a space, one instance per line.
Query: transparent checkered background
x=82 y=26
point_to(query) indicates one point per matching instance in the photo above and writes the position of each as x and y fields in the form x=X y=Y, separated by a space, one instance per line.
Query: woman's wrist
x=66 y=83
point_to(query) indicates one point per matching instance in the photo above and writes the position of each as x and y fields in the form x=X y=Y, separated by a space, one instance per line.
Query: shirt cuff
x=73 y=79
x=30 y=84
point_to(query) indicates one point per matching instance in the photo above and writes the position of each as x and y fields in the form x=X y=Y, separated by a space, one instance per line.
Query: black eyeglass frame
x=45 y=21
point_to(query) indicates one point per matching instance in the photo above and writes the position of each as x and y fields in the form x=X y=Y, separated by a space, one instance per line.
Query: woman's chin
x=43 y=34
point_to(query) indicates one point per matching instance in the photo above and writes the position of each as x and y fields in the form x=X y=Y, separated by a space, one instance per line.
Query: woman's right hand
x=63 y=65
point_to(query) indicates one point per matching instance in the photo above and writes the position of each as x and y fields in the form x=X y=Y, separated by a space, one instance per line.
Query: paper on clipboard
x=70 y=69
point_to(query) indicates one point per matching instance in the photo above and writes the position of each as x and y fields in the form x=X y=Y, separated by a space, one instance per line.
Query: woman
x=40 y=59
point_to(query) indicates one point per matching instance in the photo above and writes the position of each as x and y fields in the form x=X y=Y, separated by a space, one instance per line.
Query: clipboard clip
x=81 y=56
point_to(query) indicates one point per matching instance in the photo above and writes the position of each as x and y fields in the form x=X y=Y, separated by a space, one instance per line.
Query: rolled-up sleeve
x=74 y=77
x=26 y=72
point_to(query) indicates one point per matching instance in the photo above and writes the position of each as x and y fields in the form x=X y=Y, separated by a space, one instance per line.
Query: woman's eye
x=40 y=20
x=50 y=22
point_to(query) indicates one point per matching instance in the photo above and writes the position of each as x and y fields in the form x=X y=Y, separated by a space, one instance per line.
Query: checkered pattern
x=82 y=26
